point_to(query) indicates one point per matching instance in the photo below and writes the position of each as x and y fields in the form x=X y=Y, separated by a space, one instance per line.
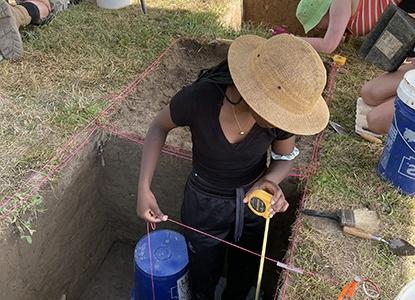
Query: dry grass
x=347 y=178
x=73 y=63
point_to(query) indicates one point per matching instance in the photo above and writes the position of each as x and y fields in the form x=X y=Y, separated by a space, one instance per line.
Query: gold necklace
x=241 y=132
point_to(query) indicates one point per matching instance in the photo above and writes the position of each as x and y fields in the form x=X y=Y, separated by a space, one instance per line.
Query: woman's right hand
x=147 y=207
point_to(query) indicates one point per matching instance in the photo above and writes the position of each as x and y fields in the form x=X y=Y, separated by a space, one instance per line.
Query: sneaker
x=59 y=5
x=11 y=46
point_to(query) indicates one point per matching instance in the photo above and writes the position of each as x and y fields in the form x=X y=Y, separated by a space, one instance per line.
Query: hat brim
x=307 y=123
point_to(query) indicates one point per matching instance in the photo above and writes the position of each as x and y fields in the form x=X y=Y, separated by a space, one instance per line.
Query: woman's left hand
x=278 y=202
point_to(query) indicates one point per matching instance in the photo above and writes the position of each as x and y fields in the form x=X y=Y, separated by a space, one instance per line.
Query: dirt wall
x=273 y=12
x=70 y=242
x=118 y=185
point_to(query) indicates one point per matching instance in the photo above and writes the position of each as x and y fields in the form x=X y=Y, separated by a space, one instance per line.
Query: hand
x=278 y=202
x=148 y=209
x=279 y=30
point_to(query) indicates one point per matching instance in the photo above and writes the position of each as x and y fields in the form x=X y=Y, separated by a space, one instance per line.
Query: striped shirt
x=367 y=14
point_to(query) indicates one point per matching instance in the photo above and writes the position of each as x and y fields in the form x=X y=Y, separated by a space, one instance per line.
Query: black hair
x=218 y=74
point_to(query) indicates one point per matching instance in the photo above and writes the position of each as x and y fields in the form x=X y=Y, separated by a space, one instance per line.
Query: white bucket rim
x=406 y=89
x=408 y=291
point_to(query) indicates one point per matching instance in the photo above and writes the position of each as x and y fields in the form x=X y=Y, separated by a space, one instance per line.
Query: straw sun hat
x=281 y=79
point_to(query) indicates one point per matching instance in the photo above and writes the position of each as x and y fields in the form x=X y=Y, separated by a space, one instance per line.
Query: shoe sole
x=11 y=46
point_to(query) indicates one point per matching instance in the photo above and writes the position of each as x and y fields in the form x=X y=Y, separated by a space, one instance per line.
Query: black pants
x=212 y=210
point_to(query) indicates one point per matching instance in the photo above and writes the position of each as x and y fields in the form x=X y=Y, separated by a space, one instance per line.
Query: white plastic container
x=113 y=4
x=408 y=292
x=406 y=89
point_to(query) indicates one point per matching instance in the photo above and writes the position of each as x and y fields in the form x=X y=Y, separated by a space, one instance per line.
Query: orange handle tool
x=350 y=290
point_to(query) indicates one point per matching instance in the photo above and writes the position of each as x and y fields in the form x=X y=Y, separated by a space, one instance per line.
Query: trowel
x=338 y=128
x=397 y=246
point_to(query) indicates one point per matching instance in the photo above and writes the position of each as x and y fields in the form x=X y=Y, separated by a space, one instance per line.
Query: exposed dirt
x=118 y=185
x=273 y=12
x=71 y=239
x=114 y=279
x=279 y=234
x=180 y=68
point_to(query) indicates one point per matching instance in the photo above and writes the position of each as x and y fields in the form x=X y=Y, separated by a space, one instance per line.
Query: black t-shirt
x=215 y=159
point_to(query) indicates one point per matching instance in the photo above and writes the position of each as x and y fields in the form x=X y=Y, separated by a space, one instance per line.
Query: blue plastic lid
x=169 y=253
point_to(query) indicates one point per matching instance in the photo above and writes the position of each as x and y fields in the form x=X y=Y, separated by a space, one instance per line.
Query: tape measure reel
x=259 y=202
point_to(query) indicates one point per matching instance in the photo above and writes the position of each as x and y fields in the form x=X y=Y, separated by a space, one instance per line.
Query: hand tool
x=397 y=246
x=364 y=219
x=338 y=128
x=370 y=289
x=259 y=201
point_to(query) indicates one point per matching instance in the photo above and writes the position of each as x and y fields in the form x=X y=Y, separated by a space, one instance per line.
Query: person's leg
x=212 y=215
x=11 y=46
x=380 y=89
x=380 y=118
x=206 y=257
x=43 y=6
x=14 y=17
x=243 y=266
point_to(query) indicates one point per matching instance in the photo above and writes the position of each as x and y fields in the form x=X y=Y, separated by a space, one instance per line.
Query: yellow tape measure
x=259 y=202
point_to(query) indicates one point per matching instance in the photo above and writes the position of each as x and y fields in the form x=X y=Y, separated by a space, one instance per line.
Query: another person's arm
x=339 y=16
x=277 y=172
x=147 y=207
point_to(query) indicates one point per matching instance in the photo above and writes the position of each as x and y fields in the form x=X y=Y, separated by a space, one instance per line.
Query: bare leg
x=382 y=88
x=43 y=6
x=380 y=118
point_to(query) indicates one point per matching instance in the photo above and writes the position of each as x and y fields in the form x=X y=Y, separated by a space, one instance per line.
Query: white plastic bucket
x=113 y=4
x=408 y=292
x=406 y=89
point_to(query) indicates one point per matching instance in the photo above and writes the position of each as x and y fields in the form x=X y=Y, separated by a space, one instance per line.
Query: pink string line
x=313 y=274
x=168 y=149
x=311 y=170
x=46 y=178
x=150 y=255
x=172 y=150
x=91 y=127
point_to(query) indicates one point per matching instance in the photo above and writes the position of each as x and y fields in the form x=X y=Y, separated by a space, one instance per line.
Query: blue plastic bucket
x=397 y=163
x=169 y=267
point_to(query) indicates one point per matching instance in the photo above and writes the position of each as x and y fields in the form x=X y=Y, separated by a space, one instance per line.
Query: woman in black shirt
x=266 y=92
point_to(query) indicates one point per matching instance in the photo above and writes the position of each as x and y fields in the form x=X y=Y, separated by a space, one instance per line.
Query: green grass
x=347 y=178
x=74 y=62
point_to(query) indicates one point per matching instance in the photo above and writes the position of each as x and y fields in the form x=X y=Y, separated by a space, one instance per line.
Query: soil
x=180 y=68
x=70 y=241
x=272 y=13
x=114 y=279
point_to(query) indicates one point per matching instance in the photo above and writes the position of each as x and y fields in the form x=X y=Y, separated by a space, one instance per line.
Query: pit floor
x=114 y=279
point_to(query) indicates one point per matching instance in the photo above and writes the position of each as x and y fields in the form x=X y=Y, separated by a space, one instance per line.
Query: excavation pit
x=83 y=245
